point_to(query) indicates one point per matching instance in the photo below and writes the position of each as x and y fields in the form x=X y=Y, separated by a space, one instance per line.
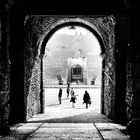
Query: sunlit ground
x=54 y=110
x=51 y=99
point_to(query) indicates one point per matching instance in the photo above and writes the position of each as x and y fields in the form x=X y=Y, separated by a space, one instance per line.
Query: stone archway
x=39 y=29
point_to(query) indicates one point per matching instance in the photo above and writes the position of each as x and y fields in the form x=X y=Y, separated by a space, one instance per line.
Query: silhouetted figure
x=60 y=95
x=86 y=99
x=71 y=91
x=73 y=98
x=68 y=89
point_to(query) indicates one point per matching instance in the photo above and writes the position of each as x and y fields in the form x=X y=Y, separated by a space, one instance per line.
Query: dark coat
x=68 y=90
x=86 y=97
x=60 y=93
x=73 y=99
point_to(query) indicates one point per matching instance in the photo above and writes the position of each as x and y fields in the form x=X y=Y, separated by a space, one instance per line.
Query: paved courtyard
x=51 y=99
x=64 y=113
x=62 y=122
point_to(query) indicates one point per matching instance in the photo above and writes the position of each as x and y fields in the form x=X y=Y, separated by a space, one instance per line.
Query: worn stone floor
x=62 y=122
x=84 y=124
x=66 y=131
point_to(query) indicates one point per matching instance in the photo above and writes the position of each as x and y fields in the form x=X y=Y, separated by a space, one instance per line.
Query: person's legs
x=86 y=105
x=59 y=100
x=73 y=104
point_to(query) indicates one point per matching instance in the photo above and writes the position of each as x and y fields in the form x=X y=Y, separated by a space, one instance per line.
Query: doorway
x=41 y=30
x=73 y=53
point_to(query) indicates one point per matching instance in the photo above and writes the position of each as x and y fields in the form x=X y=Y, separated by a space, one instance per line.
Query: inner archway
x=73 y=54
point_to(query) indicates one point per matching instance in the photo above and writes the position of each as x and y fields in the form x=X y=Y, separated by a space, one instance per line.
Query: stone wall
x=133 y=74
x=4 y=100
x=136 y=67
x=32 y=71
x=122 y=42
x=4 y=70
x=129 y=83
x=33 y=94
x=109 y=86
x=106 y=26
x=17 y=104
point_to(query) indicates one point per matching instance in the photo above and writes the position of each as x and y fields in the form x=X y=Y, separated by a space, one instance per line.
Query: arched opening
x=40 y=30
x=72 y=54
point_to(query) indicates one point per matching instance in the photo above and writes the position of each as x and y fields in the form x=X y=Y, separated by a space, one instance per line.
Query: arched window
x=77 y=72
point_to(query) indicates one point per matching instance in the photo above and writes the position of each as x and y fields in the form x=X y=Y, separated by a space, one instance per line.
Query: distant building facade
x=77 y=70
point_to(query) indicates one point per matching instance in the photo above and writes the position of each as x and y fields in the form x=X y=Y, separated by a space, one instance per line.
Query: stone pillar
x=133 y=96
x=4 y=98
x=133 y=80
x=4 y=69
x=129 y=84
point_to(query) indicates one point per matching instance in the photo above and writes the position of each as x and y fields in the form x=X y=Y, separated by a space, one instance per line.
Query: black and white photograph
x=69 y=70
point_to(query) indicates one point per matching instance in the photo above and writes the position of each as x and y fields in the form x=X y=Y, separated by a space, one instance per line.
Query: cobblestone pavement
x=62 y=122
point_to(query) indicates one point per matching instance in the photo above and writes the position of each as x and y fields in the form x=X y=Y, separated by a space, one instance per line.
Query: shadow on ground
x=89 y=117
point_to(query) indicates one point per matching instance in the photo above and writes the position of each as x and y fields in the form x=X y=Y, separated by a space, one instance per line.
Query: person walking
x=73 y=99
x=60 y=95
x=68 y=89
x=71 y=91
x=86 y=99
